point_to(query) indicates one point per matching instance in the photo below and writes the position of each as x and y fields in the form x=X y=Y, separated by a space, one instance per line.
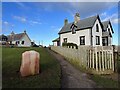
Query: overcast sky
x=43 y=20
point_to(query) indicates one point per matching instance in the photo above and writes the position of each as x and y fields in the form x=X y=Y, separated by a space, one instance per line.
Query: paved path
x=71 y=77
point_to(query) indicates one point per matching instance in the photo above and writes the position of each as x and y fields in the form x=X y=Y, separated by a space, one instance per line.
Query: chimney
x=65 y=21
x=24 y=31
x=76 y=18
x=12 y=33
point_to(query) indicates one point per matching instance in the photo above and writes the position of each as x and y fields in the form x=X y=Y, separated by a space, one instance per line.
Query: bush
x=64 y=44
x=70 y=45
x=35 y=45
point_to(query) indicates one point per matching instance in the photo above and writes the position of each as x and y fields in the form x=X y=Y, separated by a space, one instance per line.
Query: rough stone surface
x=30 y=63
x=71 y=77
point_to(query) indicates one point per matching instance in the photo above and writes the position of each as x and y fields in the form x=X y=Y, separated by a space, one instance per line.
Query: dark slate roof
x=57 y=39
x=2 y=36
x=15 y=36
x=105 y=24
x=82 y=24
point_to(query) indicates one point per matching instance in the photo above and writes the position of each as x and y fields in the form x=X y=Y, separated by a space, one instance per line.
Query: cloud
x=84 y=8
x=35 y=22
x=113 y=18
x=6 y=23
x=22 y=5
x=116 y=20
x=103 y=14
x=7 y=26
x=22 y=19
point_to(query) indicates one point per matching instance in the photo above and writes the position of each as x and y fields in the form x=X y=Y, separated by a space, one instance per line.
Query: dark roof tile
x=85 y=23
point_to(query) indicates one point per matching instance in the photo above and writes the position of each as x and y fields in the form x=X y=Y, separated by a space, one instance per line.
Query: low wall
x=77 y=55
x=97 y=60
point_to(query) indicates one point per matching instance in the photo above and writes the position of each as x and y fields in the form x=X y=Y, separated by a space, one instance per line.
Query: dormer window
x=97 y=28
x=73 y=27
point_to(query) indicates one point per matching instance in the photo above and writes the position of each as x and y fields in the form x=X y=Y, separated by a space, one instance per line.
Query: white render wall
x=27 y=42
x=55 y=43
x=109 y=38
x=75 y=38
x=94 y=33
x=109 y=41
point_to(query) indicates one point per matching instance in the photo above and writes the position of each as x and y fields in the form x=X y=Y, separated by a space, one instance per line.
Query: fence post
x=114 y=59
x=90 y=58
x=105 y=59
x=110 y=60
x=93 y=59
x=96 y=59
x=99 y=60
x=102 y=59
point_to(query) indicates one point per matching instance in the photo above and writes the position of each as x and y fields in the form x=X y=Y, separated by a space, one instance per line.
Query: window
x=82 y=40
x=97 y=40
x=65 y=40
x=97 y=28
x=18 y=42
x=22 y=42
x=105 y=41
x=73 y=27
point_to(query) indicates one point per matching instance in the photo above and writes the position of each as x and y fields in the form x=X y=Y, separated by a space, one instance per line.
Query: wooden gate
x=100 y=60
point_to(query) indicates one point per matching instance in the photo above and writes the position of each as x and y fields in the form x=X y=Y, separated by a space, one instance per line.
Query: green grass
x=100 y=81
x=104 y=82
x=11 y=61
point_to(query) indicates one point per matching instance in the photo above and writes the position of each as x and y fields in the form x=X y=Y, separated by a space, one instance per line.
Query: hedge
x=70 y=45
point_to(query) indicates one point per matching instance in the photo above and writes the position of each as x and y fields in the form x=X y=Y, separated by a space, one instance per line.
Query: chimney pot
x=65 y=21
x=76 y=18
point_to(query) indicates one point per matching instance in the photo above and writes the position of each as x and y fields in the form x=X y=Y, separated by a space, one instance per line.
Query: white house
x=21 y=39
x=88 y=31
x=56 y=42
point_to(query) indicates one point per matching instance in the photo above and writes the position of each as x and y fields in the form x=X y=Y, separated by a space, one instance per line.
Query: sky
x=43 y=20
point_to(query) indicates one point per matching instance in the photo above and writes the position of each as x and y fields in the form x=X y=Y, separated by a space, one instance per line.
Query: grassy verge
x=11 y=61
x=104 y=82
x=101 y=80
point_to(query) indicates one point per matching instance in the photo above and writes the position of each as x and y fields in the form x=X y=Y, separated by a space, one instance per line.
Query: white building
x=20 y=40
x=56 y=42
x=88 y=31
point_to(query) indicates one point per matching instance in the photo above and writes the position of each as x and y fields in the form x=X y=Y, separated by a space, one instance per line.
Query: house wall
x=75 y=38
x=27 y=42
x=55 y=43
x=109 y=38
x=109 y=41
x=94 y=33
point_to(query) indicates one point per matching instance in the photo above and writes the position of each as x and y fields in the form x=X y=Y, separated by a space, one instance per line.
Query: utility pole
x=42 y=42
x=39 y=43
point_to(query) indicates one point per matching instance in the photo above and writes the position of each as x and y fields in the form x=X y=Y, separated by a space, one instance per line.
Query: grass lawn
x=11 y=61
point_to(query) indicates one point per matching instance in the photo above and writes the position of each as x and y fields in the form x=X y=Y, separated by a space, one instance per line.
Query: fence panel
x=98 y=60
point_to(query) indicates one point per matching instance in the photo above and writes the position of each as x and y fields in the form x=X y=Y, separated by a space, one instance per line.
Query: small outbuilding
x=56 y=42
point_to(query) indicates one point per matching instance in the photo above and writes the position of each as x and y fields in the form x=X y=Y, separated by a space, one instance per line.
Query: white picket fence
x=101 y=59
x=97 y=60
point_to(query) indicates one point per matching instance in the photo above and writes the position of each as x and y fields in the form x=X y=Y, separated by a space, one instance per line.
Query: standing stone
x=30 y=63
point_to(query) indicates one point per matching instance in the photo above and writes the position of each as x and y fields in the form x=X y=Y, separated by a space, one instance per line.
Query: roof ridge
x=16 y=34
x=84 y=19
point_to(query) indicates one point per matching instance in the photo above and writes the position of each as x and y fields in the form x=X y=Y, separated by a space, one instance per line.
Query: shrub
x=70 y=45
x=64 y=44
